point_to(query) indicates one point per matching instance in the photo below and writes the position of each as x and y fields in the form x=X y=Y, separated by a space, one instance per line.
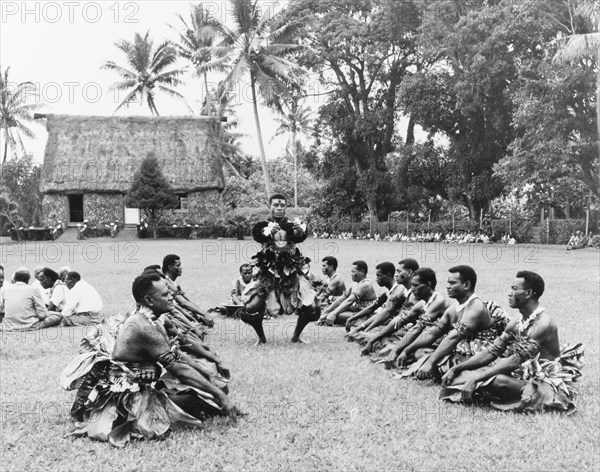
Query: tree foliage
x=151 y=192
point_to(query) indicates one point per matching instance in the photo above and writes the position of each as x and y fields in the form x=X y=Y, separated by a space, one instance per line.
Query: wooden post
x=587 y=214
x=548 y=230
x=480 y=217
x=429 y=221
x=510 y=224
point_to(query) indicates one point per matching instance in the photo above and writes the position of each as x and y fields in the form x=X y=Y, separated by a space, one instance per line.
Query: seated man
x=315 y=279
x=238 y=286
x=524 y=369
x=35 y=282
x=57 y=290
x=400 y=298
x=134 y=380
x=62 y=273
x=83 y=304
x=462 y=322
x=384 y=276
x=333 y=285
x=23 y=305
x=360 y=294
x=423 y=288
x=172 y=269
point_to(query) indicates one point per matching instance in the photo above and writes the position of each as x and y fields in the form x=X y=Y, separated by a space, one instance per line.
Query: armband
x=168 y=359
x=441 y=326
x=525 y=348
x=500 y=344
x=464 y=331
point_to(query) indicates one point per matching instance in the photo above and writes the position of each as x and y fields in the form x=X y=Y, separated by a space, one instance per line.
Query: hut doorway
x=75 y=208
x=132 y=216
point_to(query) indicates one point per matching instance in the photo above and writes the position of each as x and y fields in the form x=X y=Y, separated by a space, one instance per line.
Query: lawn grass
x=312 y=407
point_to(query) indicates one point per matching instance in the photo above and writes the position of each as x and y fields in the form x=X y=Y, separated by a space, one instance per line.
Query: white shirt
x=82 y=298
x=58 y=294
x=45 y=291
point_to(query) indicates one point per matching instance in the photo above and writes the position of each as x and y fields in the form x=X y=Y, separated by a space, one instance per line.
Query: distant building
x=90 y=161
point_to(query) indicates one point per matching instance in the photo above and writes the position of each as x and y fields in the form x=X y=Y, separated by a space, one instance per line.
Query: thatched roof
x=102 y=153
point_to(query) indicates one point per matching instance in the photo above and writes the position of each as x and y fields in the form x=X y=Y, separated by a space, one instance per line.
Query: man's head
x=63 y=272
x=172 y=265
x=72 y=279
x=37 y=272
x=22 y=274
x=150 y=290
x=329 y=265
x=406 y=269
x=527 y=286
x=461 y=282
x=48 y=278
x=246 y=272
x=277 y=205
x=384 y=274
x=359 y=271
x=1 y=275
x=423 y=283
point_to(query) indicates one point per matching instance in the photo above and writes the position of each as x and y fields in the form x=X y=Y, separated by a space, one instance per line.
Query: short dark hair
x=362 y=266
x=50 y=274
x=74 y=276
x=427 y=276
x=22 y=276
x=465 y=273
x=387 y=268
x=279 y=196
x=330 y=261
x=409 y=264
x=142 y=284
x=243 y=266
x=169 y=260
x=533 y=282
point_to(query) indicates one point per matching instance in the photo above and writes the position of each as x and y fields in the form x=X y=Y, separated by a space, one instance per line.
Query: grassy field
x=311 y=407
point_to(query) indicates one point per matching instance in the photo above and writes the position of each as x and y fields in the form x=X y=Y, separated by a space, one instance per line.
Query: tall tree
x=195 y=43
x=16 y=112
x=295 y=119
x=361 y=50
x=151 y=192
x=556 y=146
x=147 y=71
x=251 y=50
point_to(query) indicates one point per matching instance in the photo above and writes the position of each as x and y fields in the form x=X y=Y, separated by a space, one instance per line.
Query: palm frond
x=577 y=46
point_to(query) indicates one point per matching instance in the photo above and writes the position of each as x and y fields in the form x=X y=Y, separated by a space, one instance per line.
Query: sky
x=61 y=46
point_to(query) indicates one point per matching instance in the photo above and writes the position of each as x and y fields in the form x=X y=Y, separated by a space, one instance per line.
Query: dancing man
x=280 y=286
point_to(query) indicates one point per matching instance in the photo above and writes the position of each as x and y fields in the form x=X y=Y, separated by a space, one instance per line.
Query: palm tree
x=297 y=120
x=196 y=41
x=16 y=112
x=252 y=48
x=147 y=71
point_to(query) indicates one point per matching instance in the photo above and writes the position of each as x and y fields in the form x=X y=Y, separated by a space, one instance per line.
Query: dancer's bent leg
x=253 y=314
x=306 y=314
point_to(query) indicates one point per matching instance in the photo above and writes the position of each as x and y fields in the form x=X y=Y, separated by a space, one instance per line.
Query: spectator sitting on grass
x=83 y=303
x=57 y=290
x=23 y=305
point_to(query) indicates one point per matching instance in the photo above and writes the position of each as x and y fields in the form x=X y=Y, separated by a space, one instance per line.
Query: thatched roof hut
x=90 y=161
x=102 y=153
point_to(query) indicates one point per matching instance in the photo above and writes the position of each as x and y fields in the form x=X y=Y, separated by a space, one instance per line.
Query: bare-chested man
x=137 y=379
x=423 y=286
x=333 y=284
x=360 y=295
x=172 y=269
x=524 y=368
x=461 y=321
x=399 y=295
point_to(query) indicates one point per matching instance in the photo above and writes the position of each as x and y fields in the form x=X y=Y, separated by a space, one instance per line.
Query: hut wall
x=204 y=206
x=103 y=208
x=55 y=208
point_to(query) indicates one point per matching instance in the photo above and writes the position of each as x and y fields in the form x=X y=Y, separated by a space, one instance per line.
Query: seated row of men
x=470 y=346
x=150 y=371
x=52 y=298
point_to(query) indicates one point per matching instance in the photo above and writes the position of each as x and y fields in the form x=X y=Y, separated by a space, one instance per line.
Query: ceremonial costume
x=279 y=279
x=550 y=382
x=119 y=401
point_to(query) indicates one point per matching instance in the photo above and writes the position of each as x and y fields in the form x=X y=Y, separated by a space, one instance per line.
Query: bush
x=189 y=231
x=560 y=231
